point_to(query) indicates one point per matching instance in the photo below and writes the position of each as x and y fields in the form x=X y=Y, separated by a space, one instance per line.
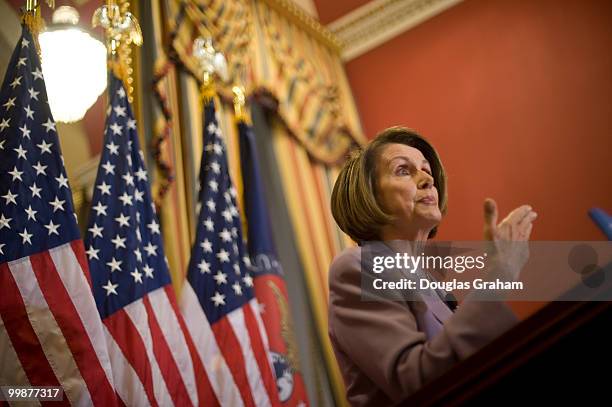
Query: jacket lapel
x=437 y=307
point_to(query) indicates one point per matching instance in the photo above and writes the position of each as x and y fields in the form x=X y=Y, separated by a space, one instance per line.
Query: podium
x=561 y=354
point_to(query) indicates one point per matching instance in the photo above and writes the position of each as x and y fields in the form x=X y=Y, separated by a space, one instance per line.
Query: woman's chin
x=430 y=215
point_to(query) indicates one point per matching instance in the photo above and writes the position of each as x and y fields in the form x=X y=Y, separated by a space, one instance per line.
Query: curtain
x=291 y=66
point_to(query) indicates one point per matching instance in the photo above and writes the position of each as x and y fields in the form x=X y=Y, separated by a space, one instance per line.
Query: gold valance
x=272 y=52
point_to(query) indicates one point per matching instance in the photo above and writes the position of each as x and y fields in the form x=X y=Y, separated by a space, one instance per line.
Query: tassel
x=32 y=19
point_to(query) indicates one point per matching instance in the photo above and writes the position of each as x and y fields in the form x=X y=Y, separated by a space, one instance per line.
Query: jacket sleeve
x=383 y=340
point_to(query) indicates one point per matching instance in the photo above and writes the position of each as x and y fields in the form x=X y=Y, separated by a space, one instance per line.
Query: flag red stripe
x=120 y=402
x=205 y=390
x=261 y=355
x=166 y=362
x=67 y=318
x=22 y=335
x=79 y=252
x=272 y=317
x=230 y=348
x=130 y=342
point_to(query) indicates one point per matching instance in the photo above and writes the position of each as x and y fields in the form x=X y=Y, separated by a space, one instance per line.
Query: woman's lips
x=428 y=200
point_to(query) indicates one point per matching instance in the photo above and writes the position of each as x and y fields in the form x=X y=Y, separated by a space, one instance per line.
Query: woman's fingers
x=525 y=226
x=490 y=219
x=518 y=214
x=528 y=219
x=528 y=231
x=516 y=226
x=515 y=220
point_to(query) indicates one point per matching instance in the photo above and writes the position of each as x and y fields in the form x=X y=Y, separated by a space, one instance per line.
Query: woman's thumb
x=490 y=218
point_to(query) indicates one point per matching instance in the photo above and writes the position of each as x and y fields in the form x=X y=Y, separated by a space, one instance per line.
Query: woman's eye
x=403 y=171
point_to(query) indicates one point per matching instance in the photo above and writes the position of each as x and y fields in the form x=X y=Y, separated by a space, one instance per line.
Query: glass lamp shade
x=74 y=67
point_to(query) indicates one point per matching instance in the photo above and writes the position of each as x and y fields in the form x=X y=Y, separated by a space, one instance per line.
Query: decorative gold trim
x=378 y=21
x=78 y=198
x=300 y=17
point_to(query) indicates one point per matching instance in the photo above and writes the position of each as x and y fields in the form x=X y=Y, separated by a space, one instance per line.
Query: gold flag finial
x=121 y=25
x=122 y=30
x=239 y=103
x=210 y=63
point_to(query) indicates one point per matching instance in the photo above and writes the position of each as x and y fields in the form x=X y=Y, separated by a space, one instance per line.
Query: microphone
x=602 y=220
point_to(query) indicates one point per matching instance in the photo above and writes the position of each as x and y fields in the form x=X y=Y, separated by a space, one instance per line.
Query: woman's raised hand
x=516 y=226
x=510 y=236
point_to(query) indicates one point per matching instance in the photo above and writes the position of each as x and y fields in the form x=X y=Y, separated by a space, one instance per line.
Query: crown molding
x=304 y=20
x=378 y=21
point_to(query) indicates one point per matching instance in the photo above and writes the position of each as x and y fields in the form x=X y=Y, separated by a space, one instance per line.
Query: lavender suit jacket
x=388 y=349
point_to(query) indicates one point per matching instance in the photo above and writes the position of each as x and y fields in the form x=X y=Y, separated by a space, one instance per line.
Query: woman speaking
x=395 y=190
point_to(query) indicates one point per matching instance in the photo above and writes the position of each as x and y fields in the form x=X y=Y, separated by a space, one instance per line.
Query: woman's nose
x=426 y=181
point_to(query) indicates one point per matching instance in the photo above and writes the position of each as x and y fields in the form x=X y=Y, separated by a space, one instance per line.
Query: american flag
x=50 y=331
x=150 y=349
x=217 y=301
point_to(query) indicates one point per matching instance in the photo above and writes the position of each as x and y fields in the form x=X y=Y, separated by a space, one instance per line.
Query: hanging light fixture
x=73 y=64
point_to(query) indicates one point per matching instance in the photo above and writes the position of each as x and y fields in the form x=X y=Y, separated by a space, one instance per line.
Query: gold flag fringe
x=35 y=23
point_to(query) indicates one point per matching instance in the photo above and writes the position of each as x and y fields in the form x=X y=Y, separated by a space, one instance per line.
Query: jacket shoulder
x=347 y=262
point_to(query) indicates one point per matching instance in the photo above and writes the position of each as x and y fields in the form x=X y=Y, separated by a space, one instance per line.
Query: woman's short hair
x=353 y=201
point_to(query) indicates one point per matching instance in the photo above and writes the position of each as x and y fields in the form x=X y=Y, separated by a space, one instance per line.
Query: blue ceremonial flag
x=269 y=284
x=232 y=341
x=50 y=331
x=153 y=357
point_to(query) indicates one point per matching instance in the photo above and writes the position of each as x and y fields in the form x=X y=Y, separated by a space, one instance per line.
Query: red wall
x=517 y=97
x=331 y=10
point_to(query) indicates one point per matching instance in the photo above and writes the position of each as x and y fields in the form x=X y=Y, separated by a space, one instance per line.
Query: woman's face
x=405 y=189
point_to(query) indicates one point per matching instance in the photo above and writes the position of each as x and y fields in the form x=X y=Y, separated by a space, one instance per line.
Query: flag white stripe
x=11 y=370
x=262 y=330
x=220 y=376
x=137 y=313
x=173 y=334
x=254 y=376
x=49 y=334
x=131 y=390
x=77 y=286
